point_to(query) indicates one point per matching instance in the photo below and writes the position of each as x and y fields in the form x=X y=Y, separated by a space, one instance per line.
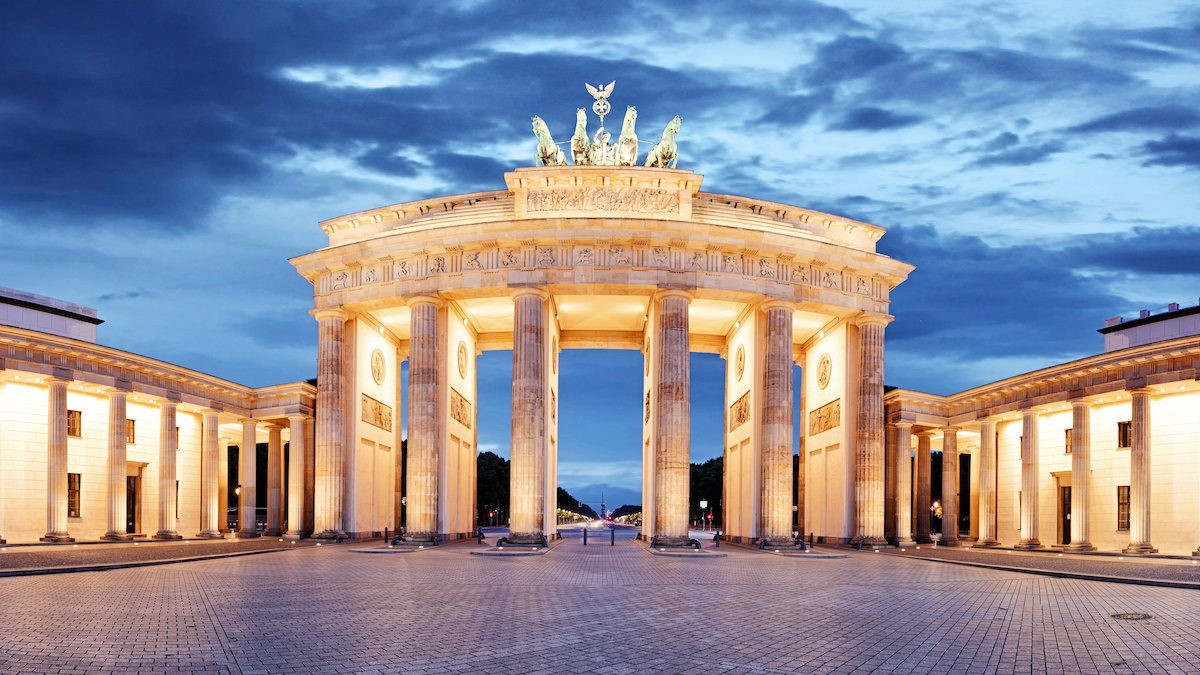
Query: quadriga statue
x=548 y=154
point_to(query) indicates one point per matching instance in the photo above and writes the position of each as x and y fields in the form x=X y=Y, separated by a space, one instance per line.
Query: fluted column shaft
x=274 y=481
x=115 y=498
x=777 y=426
x=949 y=487
x=529 y=394
x=904 y=491
x=329 y=488
x=924 y=487
x=168 y=446
x=672 y=410
x=248 y=481
x=987 y=483
x=424 y=414
x=56 y=462
x=868 y=469
x=1139 y=474
x=295 y=491
x=1029 y=480
x=210 y=484
x=1081 y=477
x=3 y=492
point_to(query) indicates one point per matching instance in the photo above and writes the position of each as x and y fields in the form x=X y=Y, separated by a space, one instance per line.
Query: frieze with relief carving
x=739 y=412
x=376 y=413
x=828 y=416
x=460 y=408
x=613 y=200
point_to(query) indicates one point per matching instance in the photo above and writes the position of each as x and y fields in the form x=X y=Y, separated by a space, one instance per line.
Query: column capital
x=1079 y=402
x=116 y=391
x=56 y=379
x=872 y=318
x=425 y=300
x=1147 y=391
x=898 y=425
x=949 y=429
x=329 y=313
x=663 y=293
x=248 y=422
x=300 y=417
x=924 y=433
x=518 y=291
x=775 y=303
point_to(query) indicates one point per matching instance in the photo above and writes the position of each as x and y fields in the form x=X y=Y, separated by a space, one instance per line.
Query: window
x=130 y=427
x=1069 y=438
x=1124 y=434
x=74 y=423
x=74 y=480
x=1122 y=507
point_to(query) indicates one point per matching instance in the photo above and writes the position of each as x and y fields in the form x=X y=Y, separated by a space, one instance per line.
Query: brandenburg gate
x=600 y=254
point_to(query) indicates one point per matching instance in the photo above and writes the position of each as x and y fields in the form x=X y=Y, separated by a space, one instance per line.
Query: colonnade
x=913 y=499
x=211 y=482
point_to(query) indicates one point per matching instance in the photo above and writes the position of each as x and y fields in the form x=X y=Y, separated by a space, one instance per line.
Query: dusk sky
x=1038 y=162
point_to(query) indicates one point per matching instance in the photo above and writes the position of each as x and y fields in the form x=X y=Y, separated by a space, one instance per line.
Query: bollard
x=717 y=539
x=810 y=540
x=585 y=536
x=385 y=534
x=612 y=537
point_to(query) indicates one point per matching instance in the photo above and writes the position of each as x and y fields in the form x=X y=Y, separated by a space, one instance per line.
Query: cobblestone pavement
x=599 y=609
x=18 y=559
x=1179 y=571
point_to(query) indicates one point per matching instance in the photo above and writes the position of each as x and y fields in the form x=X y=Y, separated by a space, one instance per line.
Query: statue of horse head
x=630 y=119
x=673 y=126
x=581 y=119
x=539 y=127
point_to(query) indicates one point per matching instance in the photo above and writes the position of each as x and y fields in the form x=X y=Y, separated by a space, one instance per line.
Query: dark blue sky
x=1038 y=162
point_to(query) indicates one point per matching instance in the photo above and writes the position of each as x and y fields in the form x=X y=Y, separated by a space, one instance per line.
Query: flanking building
x=1099 y=453
x=99 y=443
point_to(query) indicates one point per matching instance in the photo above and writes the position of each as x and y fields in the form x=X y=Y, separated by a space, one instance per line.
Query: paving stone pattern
x=598 y=609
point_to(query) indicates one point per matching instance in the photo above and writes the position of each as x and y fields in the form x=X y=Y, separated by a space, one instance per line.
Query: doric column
x=424 y=420
x=222 y=451
x=295 y=491
x=777 y=426
x=329 y=486
x=274 y=479
x=924 y=487
x=1139 y=474
x=949 y=487
x=210 y=484
x=987 y=483
x=672 y=412
x=248 y=481
x=904 y=492
x=1029 y=480
x=1081 y=476
x=168 y=446
x=3 y=492
x=868 y=469
x=116 y=488
x=529 y=394
x=56 y=461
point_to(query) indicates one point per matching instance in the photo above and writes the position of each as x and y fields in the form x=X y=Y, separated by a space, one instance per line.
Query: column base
x=117 y=536
x=1085 y=546
x=167 y=535
x=248 y=534
x=663 y=541
x=1139 y=549
x=1028 y=545
x=273 y=533
x=292 y=536
x=923 y=539
x=211 y=535
x=57 y=538
x=335 y=535
x=949 y=541
x=523 y=539
x=987 y=543
x=905 y=543
x=869 y=541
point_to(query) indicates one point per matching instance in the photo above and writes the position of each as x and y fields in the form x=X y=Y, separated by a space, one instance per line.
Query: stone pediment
x=591 y=191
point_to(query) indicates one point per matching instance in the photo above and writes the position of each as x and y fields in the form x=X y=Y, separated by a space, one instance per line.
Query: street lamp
x=703 y=506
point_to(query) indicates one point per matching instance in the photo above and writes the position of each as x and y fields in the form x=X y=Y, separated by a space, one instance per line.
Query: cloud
x=874 y=119
x=1020 y=156
x=1165 y=118
x=1144 y=250
x=124 y=295
x=1174 y=150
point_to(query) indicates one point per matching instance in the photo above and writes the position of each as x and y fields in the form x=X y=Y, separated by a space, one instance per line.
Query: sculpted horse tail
x=548 y=154
x=627 y=143
x=666 y=154
x=582 y=151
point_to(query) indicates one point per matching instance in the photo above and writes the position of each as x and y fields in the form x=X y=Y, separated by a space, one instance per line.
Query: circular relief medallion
x=824 y=369
x=739 y=362
x=462 y=359
x=378 y=366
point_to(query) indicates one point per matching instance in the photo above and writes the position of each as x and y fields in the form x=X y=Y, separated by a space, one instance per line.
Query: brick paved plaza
x=598 y=609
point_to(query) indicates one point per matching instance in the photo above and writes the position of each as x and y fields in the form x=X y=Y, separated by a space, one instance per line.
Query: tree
x=492 y=485
x=706 y=483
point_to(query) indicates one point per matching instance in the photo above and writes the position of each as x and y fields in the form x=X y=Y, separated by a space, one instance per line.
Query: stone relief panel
x=471 y=261
x=696 y=260
x=619 y=255
x=617 y=200
x=585 y=255
x=731 y=263
x=828 y=416
x=545 y=256
x=509 y=258
x=460 y=408
x=376 y=413
x=647 y=419
x=802 y=274
x=661 y=255
x=766 y=268
x=739 y=412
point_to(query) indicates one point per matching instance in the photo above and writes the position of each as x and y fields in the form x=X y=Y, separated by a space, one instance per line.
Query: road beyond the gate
x=594 y=609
